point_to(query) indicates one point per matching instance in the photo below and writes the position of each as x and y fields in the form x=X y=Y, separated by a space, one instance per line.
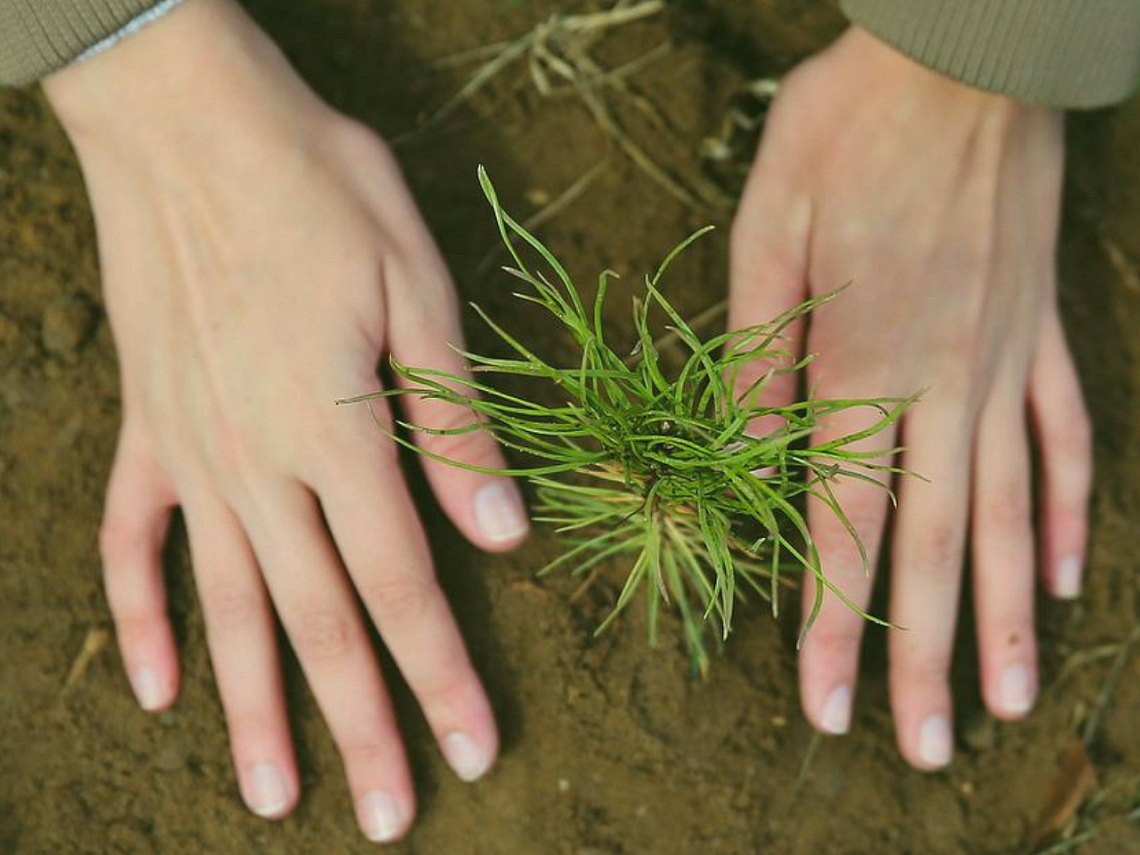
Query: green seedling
x=660 y=473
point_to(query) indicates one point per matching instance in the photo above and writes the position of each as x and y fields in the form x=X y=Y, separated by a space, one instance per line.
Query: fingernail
x=1068 y=584
x=836 y=714
x=147 y=689
x=499 y=512
x=469 y=761
x=1016 y=690
x=934 y=741
x=268 y=795
x=381 y=817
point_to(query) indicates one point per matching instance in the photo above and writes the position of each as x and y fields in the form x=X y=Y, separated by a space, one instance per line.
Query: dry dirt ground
x=609 y=747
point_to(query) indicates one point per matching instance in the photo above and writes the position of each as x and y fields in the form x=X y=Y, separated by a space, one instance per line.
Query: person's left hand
x=940 y=202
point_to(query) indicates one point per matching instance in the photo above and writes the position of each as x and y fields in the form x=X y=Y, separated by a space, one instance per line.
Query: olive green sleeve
x=1066 y=53
x=39 y=36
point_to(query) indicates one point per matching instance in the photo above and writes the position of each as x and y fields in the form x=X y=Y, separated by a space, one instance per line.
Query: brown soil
x=609 y=747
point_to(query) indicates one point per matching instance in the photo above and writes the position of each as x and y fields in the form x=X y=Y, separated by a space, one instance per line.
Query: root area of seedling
x=652 y=466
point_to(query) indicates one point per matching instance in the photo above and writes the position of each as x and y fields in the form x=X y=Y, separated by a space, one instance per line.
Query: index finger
x=829 y=656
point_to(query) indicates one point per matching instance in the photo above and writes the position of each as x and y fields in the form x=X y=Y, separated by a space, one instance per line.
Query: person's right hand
x=260 y=253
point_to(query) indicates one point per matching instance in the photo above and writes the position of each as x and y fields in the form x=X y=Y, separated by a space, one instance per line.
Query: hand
x=940 y=203
x=259 y=254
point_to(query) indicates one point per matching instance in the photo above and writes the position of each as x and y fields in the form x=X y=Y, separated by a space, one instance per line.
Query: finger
x=929 y=537
x=376 y=529
x=243 y=649
x=1064 y=439
x=135 y=520
x=768 y=251
x=488 y=509
x=1002 y=533
x=315 y=602
x=829 y=657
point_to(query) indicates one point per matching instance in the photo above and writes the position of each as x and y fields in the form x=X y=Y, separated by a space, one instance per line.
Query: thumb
x=488 y=509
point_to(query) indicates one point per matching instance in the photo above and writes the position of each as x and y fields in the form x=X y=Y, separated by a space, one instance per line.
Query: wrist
x=895 y=69
x=205 y=65
x=922 y=95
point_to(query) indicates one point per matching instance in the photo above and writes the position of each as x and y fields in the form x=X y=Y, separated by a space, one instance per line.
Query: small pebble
x=538 y=197
x=67 y=322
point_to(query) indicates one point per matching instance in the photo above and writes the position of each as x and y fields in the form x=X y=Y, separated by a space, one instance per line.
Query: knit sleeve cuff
x=1065 y=53
x=40 y=36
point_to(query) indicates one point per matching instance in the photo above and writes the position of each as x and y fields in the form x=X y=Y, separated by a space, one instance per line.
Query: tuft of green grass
x=654 y=472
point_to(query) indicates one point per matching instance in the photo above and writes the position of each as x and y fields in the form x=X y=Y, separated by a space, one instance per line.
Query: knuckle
x=470 y=443
x=1008 y=507
x=360 y=140
x=447 y=685
x=834 y=644
x=323 y=635
x=119 y=539
x=466 y=446
x=833 y=540
x=134 y=627
x=401 y=597
x=923 y=669
x=440 y=415
x=250 y=722
x=443 y=415
x=963 y=340
x=365 y=751
x=236 y=453
x=937 y=549
x=1074 y=436
x=229 y=604
x=370 y=428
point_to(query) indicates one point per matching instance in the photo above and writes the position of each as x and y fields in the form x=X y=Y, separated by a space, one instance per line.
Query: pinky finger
x=135 y=519
x=1064 y=437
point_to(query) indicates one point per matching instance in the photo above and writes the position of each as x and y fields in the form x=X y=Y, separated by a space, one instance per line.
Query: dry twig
x=558 y=59
x=1092 y=724
x=94 y=641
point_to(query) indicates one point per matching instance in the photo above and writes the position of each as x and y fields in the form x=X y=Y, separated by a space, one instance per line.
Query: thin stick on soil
x=558 y=60
x=1068 y=845
x=1082 y=658
x=809 y=757
x=1081 y=838
x=1109 y=685
x=571 y=29
x=95 y=640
